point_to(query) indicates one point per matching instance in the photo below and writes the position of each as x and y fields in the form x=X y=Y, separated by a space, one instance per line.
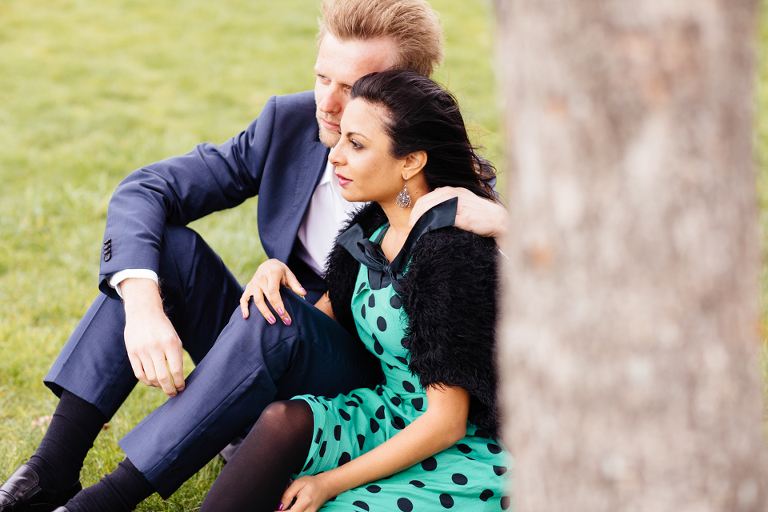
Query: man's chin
x=328 y=138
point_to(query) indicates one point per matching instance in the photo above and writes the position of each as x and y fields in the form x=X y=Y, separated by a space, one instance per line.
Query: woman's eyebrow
x=349 y=134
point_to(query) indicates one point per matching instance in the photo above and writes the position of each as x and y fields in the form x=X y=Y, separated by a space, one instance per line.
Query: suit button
x=107 y=256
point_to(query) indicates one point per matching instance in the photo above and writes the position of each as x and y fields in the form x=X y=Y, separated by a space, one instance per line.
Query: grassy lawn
x=90 y=91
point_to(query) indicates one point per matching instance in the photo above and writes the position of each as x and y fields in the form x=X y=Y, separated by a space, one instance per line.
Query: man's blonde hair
x=412 y=24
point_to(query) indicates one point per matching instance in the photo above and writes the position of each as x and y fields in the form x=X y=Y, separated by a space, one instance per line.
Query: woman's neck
x=398 y=231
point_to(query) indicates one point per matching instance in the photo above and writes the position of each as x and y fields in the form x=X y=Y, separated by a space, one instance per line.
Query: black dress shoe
x=22 y=493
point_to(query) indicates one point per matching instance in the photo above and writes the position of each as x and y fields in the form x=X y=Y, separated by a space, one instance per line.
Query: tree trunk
x=629 y=341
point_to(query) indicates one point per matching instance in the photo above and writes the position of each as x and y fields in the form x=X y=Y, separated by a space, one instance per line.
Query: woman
x=421 y=299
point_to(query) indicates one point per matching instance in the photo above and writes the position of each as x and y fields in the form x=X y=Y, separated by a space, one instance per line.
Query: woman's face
x=364 y=166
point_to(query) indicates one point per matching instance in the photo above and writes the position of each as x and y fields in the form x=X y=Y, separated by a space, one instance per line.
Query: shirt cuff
x=118 y=277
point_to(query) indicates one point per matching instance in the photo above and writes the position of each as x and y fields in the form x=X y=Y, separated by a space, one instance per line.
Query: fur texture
x=449 y=296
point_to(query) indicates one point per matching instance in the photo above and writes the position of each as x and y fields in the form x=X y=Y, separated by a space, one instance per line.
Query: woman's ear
x=413 y=164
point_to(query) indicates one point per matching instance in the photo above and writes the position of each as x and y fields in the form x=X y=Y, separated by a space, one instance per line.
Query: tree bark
x=629 y=342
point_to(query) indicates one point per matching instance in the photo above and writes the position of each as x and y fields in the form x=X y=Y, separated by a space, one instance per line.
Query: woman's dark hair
x=422 y=116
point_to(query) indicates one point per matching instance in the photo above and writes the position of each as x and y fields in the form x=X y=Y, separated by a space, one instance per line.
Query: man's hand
x=473 y=213
x=266 y=282
x=150 y=338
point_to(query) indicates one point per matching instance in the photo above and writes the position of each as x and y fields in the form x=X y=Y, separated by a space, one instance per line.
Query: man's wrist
x=140 y=294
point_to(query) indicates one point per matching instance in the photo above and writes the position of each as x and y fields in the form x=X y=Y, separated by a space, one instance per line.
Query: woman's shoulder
x=453 y=247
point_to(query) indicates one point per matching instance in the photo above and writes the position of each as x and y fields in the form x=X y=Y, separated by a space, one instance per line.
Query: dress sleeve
x=449 y=294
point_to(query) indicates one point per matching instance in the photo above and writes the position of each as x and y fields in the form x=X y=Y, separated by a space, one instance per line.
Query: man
x=242 y=364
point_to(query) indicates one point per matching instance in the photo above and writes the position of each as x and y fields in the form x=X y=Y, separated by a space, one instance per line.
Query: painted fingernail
x=302 y=290
x=280 y=311
x=280 y=508
x=243 y=315
x=271 y=319
x=287 y=321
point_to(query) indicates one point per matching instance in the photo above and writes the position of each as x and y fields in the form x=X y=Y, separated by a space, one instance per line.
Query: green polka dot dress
x=469 y=475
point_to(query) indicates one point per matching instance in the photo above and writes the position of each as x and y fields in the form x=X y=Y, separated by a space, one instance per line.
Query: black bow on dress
x=380 y=271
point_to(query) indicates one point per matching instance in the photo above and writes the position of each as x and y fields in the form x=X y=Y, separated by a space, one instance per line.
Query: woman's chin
x=352 y=197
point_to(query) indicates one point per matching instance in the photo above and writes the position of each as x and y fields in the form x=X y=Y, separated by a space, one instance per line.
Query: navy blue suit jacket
x=279 y=157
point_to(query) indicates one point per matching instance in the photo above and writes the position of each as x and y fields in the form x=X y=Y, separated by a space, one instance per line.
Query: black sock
x=256 y=476
x=59 y=458
x=120 y=491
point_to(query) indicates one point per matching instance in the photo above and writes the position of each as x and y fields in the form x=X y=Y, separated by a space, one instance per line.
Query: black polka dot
x=371 y=301
x=351 y=403
x=373 y=489
x=337 y=432
x=322 y=448
x=398 y=423
x=418 y=403
x=405 y=504
x=494 y=448
x=395 y=302
x=362 y=285
x=486 y=494
x=362 y=311
x=357 y=398
x=469 y=458
x=379 y=390
x=309 y=464
x=381 y=324
x=344 y=414
x=408 y=387
x=463 y=448
x=390 y=366
x=395 y=401
x=374 y=426
x=380 y=412
x=377 y=346
x=361 y=504
x=319 y=435
x=459 y=479
x=325 y=407
x=499 y=470
x=505 y=502
x=416 y=483
x=429 y=464
x=446 y=501
x=402 y=360
x=345 y=457
x=360 y=440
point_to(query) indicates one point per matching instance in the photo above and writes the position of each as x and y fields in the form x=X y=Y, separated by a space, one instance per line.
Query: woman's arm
x=443 y=424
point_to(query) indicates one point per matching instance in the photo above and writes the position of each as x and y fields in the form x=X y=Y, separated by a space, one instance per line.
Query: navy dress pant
x=241 y=365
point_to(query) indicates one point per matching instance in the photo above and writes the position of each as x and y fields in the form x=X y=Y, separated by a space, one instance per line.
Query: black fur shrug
x=449 y=296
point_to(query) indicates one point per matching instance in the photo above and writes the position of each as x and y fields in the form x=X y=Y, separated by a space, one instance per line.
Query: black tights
x=256 y=476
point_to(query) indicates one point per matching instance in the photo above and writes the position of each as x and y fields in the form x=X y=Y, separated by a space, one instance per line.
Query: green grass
x=88 y=92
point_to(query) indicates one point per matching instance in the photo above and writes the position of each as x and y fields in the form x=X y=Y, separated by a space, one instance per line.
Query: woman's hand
x=310 y=492
x=266 y=282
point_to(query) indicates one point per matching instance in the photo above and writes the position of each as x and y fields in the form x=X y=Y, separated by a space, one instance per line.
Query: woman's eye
x=356 y=145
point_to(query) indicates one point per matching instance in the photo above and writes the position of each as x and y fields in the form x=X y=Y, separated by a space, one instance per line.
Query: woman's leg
x=256 y=476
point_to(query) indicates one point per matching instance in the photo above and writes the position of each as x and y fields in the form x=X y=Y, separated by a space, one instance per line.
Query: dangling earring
x=404 y=198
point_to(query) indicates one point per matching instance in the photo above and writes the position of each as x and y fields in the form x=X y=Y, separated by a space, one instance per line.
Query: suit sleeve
x=179 y=190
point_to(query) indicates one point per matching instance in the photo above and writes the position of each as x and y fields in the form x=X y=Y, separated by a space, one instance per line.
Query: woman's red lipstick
x=342 y=180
